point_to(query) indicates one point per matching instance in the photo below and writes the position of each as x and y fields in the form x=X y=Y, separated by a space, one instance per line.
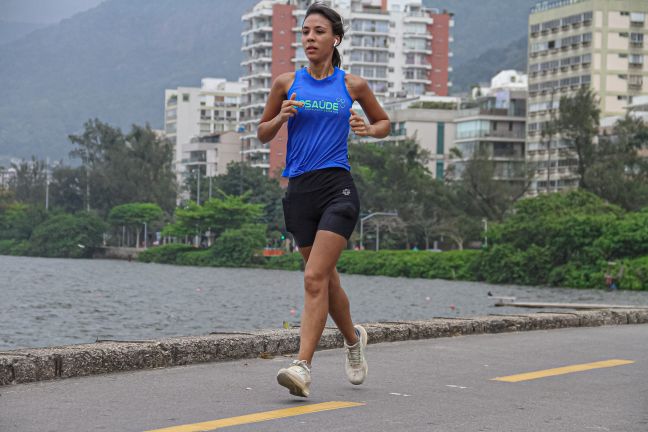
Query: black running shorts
x=324 y=199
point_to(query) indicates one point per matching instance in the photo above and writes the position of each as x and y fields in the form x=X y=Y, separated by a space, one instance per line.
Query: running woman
x=321 y=205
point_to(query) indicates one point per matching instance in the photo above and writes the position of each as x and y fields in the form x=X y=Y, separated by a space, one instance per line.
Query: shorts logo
x=346 y=192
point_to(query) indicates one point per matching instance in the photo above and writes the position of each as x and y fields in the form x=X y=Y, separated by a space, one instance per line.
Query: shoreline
x=41 y=364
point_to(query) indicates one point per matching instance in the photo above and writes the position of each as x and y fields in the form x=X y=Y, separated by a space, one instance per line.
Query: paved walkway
x=445 y=384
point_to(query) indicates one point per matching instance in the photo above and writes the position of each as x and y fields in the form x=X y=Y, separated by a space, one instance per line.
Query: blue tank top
x=317 y=135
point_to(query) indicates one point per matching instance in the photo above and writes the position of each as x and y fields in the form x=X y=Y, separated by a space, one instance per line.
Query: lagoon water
x=49 y=302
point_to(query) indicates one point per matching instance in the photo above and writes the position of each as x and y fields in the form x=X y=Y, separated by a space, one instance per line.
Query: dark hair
x=336 y=23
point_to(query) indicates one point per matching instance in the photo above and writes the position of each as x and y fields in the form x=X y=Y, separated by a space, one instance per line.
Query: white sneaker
x=356 y=364
x=296 y=378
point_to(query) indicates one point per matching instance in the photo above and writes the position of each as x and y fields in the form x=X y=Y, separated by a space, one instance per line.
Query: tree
x=393 y=177
x=135 y=215
x=68 y=236
x=121 y=169
x=619 y=172
x=578 y=123
x=28 y=185
x=18 y=220
x=243 y=179
x=67 y=188
x=215 y=216
x=483 y=191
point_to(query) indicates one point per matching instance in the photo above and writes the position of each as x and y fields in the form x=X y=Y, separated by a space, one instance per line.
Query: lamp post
x=47 y=179
x=198 y=191
x=145 y=236
x=369 y=216
x=485 y=222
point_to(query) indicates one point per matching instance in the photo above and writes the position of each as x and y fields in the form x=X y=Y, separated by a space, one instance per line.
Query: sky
x=43 y=11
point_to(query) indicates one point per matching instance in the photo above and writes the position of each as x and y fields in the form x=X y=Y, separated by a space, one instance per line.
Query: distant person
x=321 y=205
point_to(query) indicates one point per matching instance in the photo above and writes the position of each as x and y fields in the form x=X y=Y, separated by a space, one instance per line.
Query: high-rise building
x=400 y=48
x=574 y=43
x=192 y=112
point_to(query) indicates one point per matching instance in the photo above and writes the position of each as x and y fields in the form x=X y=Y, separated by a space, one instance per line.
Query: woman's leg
x=318 y=274
x=339 y=308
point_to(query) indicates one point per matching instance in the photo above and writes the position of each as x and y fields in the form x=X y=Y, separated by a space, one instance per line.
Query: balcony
x=637 y=19
x=514 y=135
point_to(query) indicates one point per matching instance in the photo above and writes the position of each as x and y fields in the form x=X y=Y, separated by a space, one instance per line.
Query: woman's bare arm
x=379 y=125
x=278 y=109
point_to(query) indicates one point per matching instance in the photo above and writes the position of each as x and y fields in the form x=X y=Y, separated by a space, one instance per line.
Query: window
x=185 y=97
x=636 y=59
x=440 y=138
x=635 y=80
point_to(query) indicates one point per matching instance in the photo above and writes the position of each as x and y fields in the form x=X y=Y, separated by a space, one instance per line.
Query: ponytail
x=337 y=59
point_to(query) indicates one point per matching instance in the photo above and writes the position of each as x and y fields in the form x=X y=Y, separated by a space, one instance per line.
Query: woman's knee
x=316 y=281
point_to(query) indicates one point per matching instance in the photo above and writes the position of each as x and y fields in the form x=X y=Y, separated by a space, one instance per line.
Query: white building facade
x=575 y=43
x=400 y=48
x=193 y=112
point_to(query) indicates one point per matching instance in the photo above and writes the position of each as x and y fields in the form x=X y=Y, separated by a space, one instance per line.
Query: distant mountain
x=489 y=36
x=484 y=67
x=114 y=62
x=10 y=31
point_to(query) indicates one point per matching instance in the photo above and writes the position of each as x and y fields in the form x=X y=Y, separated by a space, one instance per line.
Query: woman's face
x=318 y=38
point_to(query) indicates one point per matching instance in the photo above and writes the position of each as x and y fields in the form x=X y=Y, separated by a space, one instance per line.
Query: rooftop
x=546 y=5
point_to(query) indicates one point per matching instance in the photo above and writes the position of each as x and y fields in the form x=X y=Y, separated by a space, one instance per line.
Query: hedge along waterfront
x=569 y=239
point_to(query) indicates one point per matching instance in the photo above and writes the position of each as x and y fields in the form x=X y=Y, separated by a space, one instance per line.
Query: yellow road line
x=258 y=417
x=562 y=370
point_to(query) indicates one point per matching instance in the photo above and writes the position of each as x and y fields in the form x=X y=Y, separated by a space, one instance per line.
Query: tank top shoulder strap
x=341 y=78
x=296 y=80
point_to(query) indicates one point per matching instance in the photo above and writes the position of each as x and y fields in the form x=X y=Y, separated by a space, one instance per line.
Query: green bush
x=18 y=221
x=291 y=261
x=578 y=275
x=237 y=247
x=68 y=236
x=21 y=248
x=504 y=263
x=626 y=237
x=5 y=247
x=635 y=274
x=165 y=254
x=196 y=257
x=14 y=247
x=413 y=264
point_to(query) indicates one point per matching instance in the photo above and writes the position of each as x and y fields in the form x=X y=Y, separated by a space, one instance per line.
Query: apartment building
x=574 y=43
x=494 y=127
x=399 y=47
x=430 y=122
x=193 y=112
x=210 y=154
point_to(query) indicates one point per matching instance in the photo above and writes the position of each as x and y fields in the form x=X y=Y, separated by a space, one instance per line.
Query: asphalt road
x=432 y=385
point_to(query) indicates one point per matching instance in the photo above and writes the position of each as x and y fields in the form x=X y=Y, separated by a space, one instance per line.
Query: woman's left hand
x=358 y=125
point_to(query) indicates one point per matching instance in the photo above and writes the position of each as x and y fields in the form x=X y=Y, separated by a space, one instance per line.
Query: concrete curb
x=29 y=365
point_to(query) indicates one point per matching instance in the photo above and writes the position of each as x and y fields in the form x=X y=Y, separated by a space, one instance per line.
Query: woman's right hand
x=288 y=108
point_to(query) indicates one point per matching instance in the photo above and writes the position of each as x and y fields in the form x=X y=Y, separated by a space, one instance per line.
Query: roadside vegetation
x=123 y=193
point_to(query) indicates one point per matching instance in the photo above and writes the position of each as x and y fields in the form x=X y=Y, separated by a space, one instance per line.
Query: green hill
x=114 y=62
